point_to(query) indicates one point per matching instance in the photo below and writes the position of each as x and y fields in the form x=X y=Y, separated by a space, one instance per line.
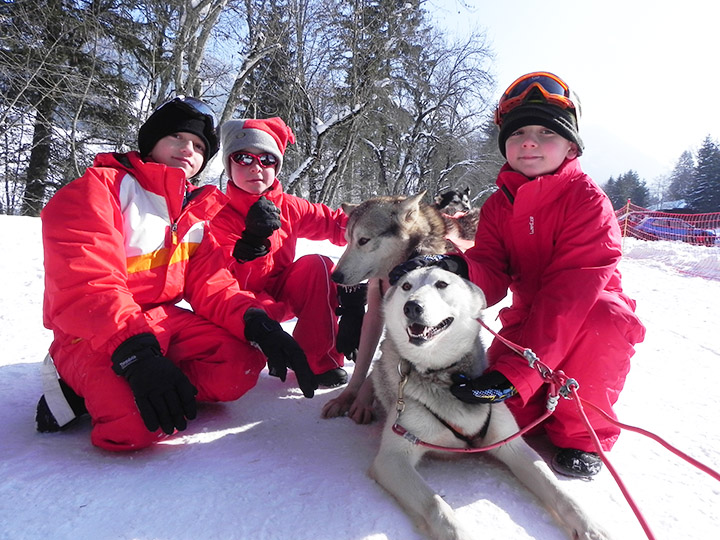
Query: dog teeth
x=419 y=331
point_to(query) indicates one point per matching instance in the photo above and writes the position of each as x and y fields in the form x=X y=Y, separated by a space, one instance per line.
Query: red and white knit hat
x=269 y=135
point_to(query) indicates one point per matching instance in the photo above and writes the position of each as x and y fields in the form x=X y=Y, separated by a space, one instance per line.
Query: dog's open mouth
x=419 y=333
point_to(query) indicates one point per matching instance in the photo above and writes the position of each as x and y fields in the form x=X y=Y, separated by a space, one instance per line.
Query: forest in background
x=380 y=100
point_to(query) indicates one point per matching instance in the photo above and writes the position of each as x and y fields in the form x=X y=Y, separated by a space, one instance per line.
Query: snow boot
x=59 y=405
x=577 y=463
x=332 y=378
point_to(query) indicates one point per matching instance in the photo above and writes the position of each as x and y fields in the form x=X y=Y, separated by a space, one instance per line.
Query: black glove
x=451 y=263
x=491 y=387
x=262 y=219
x=163 y=394
x=351 y=310
x=281 y=349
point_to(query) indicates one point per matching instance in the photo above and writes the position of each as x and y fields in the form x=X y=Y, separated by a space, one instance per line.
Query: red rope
x=560 y=383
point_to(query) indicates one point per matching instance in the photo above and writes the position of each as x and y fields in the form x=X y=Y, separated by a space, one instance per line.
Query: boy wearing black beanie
x=549 y=235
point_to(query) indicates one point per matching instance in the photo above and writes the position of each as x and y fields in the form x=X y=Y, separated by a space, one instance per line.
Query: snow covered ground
x=269 y=467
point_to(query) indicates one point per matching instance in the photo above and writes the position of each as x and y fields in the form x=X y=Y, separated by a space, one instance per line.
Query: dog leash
x=570 y=389
x=553 y=398
x=559 y=385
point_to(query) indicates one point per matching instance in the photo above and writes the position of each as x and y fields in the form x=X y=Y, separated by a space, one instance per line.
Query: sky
x=268 y=467
x=644 y=70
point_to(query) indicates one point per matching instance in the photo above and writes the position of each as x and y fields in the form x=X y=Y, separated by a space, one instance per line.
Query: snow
x=269 y=467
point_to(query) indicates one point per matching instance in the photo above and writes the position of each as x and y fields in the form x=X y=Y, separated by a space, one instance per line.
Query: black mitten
x=163 y=394
x=351 y=310
x=451 y=263
x=281 y=350
x=491 y=387
x=262 y=219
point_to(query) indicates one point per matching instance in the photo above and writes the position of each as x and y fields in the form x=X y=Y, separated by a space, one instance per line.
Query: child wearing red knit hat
x=259 y=229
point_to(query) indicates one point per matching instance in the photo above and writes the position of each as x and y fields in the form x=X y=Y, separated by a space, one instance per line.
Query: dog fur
x=461 y=219
x=453 y=201
x=383 y=232
x=433 y=332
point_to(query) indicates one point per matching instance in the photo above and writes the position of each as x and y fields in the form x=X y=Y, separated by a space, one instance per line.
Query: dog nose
x=412 y=309
x=337 y=277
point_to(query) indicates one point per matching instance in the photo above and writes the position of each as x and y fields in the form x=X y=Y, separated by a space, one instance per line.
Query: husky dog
x=432 y=333
x=381 y=232
x=453 y=201
x=385 y=231
x=461 y=219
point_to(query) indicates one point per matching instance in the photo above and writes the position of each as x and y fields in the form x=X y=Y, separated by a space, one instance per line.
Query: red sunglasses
x=246 y=159
x=552 y=89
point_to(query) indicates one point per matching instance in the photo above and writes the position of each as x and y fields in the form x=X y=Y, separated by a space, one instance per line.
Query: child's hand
x=281 y=350
x=263 y=218
x=491 y=387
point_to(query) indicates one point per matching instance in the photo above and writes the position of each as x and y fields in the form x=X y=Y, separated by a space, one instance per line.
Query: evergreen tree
x=682 y=178
x=627 y=186
x=705 y=196
x=60 y=84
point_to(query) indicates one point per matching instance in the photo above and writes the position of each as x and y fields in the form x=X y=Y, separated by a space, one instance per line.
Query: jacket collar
x=511 y=181
x=168 y=182
x=241 y=200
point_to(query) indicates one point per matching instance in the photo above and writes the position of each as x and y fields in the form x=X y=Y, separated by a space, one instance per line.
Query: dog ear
x=410 y=206
x=348 y=207
x=478 y=298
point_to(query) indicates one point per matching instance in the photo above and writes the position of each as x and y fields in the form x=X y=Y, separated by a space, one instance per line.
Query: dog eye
x=406 y=286
x=363 y=241
x=441 y=284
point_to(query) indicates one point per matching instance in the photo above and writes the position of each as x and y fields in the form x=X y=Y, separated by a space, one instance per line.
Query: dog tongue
x=417 y=329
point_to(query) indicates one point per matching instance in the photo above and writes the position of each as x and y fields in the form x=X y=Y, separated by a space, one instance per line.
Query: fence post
x=627 y=218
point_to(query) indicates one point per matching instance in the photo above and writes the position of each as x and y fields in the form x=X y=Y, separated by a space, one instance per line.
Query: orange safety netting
x=691 y=234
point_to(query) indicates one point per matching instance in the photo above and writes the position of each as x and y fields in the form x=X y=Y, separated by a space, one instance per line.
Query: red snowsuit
x=285 y=287
x=555 y=243
x=123 y=244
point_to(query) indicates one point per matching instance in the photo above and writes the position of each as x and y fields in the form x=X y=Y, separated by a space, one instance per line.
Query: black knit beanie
x=174 y=117
x=561 y=121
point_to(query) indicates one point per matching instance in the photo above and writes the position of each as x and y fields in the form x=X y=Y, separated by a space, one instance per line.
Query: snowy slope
x=268 y=467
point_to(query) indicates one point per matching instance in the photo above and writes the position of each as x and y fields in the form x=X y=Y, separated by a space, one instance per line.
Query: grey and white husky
x=385 y=231
x=432 y=332
x=382 y=232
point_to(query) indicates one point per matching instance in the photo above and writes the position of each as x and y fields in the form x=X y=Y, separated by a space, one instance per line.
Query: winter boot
x=59 y=405
x=577 y=463
x=332 y=378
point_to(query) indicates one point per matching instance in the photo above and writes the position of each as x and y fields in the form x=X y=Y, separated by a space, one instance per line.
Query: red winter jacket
x=299 y=219
x=555 y=243
x=128 y=236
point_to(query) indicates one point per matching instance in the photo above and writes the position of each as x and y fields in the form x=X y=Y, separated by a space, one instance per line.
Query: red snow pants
x=599 y=359
x=220 y=366
x=304 y=290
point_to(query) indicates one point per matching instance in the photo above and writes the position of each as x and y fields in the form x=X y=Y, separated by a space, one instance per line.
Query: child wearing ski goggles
x=549 y=88
x=549 y=234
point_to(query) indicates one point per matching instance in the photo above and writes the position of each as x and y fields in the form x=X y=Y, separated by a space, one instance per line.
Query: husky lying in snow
x=433 y=332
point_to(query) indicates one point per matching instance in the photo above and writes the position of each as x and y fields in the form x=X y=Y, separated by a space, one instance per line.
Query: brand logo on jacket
x=531 y=224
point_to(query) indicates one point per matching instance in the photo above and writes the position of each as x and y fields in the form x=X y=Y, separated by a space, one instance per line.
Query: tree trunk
x=37 y=171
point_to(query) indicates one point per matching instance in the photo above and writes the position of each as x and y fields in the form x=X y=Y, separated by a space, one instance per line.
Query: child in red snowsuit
x=260 y=227
x=550 y=236
x=123 y=244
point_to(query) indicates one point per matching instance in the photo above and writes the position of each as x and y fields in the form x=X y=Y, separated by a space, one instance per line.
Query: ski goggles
x=245 y=159
x=193 y=106
x=551 y=88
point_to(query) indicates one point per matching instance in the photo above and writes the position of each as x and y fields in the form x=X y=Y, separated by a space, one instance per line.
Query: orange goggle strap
x=552 y=89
